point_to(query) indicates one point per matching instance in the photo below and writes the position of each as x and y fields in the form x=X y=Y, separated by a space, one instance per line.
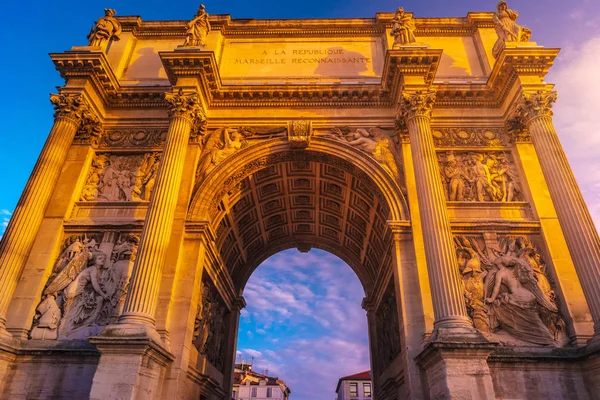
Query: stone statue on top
x=106 y=29
x=197 y=29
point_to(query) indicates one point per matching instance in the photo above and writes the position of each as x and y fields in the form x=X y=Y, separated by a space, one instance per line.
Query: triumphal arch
x=184 y=153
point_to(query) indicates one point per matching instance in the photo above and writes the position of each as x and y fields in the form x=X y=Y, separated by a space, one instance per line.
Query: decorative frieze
x=134 y=138
x=87 y=287
x=121 y=177
x=472 y=137
x=209 y=326
x=507 y=291
x=480 y=176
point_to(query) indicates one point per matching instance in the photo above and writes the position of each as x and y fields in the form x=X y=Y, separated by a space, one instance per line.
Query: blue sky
x=316 y=287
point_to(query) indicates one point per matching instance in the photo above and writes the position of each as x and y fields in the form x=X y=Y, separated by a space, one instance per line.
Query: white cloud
x=577 y=119
x=4 y=218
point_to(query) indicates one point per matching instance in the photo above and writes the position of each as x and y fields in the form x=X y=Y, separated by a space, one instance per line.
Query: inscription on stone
x=333 y=59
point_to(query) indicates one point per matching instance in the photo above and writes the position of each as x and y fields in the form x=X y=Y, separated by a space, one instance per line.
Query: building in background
x=356 y=387
x=248 y=384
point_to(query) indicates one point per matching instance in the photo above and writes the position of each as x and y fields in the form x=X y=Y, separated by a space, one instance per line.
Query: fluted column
x=535 y=110
x=142 y=297
x=446 y=291
x=23 y=227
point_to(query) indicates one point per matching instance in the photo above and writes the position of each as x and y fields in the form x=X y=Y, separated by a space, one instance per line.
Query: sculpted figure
x=220 y=145
x=403 y=29
x=106 y=29
x=473 y=280
x=515 y=298
x=483 y=178
x=197 y=29
x=507 y=28
x=455 y=177
x=47 y=327
x=203 y=321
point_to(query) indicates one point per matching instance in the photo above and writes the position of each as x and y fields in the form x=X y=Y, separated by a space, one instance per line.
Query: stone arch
x=269 y=197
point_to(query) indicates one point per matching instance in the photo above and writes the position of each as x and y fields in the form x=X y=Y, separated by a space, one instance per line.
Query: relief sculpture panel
x=114 y=177
x=480 y=176
x=379 y=143
x=87 y=287
x=209 y=326
x=388 y=333
x=507 y=291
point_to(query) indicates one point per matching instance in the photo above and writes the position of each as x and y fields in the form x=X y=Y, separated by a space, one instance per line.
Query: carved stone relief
x=480 y=176
x=388 y=333
x=381 y=144
x=121 y=177
x=134 y=138
x=299 y=133
x=224 y=142
x=507 y=291
x=209 y=327
x=87 y=287
x=454 y=137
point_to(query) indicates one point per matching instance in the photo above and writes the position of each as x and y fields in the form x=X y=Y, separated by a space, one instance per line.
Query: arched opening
x=303 y=323
x=267 y=199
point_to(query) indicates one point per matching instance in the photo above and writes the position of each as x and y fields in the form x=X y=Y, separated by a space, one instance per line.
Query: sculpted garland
x=474 y=176
x=87 y=287
x=507 y=292
x=121 y=178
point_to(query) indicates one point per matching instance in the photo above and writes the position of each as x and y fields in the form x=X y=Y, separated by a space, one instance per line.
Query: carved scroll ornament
x=121 y=177
x=87 y=287
x=507 y=292
x=479 y=176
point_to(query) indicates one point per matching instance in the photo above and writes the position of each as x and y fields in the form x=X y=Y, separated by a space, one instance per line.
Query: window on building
x=269 y=392
x=354 y=390
x=367 y=389
x=254 y=392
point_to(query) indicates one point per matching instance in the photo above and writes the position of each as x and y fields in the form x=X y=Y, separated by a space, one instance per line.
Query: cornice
x=92 y=65
x=419 y=63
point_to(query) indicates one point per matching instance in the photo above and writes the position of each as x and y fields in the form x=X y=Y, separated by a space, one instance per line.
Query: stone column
x=535 y=110
x=140 y=305
x=23 y=227
x=446 y=291
x=232 y=324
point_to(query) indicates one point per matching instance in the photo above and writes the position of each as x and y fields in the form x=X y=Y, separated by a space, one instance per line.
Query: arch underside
x=304 y=199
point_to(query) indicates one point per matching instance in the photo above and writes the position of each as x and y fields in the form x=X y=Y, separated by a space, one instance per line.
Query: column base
x=8 y=355
x=130 y=367
x=454 y=365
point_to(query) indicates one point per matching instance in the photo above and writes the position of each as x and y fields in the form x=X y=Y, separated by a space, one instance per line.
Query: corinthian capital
x=538 y=104
x=71 y=106
x=185 y=105
x=416 y=104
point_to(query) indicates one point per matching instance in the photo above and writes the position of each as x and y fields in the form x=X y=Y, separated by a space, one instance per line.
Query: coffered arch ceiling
x=301 y=199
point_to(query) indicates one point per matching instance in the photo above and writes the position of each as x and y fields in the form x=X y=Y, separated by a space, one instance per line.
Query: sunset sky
x=303 y=321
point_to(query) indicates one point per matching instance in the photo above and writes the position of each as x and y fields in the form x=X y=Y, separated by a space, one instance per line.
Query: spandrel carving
x=224 y=142
x=87 y=288
x=209 y=326
x=381 y=144
x=475 y=176
x=507 y=292
x=121 y=178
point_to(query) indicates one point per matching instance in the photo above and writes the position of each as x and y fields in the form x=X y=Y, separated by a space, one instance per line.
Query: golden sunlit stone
x=421 y=151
